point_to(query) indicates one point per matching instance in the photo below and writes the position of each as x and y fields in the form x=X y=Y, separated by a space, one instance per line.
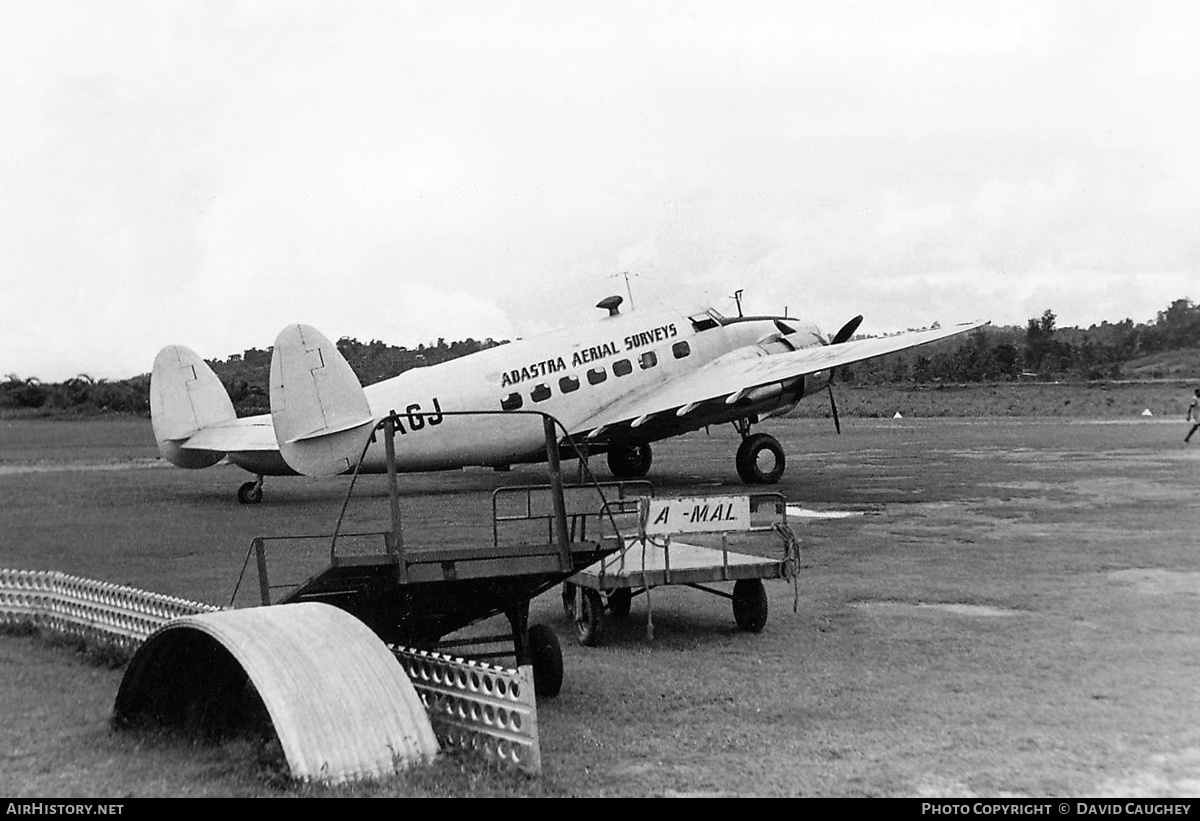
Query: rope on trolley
x=663 y=545
x=791 y=560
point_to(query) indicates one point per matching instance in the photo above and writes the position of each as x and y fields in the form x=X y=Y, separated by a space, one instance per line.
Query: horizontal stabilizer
x=248 y=434
x=321 y=415
x=185 y=398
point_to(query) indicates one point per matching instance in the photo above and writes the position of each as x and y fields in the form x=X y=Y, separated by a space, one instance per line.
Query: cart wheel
x=589 y=617
x=568 y=599
x=546 y=656
x=618 y=602
x=750 y=605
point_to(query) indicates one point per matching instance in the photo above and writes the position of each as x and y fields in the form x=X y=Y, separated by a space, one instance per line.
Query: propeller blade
x=784 y=328
x=847 y=330
x=837 y=425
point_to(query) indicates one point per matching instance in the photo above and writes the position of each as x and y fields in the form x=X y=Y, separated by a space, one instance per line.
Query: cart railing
x=528 y=512
x=554 y=433
x=563 y=511
x=662 y=519
x=299 y=557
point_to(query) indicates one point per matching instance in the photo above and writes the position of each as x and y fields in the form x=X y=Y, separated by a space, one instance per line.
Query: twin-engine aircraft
x=616 y=385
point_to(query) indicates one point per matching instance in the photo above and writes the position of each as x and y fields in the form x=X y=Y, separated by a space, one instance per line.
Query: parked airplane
x=616 y=385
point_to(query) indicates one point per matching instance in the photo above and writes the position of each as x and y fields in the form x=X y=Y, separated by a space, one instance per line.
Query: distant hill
x=1183 y=363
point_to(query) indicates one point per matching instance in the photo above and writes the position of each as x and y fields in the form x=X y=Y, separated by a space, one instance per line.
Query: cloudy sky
x=204 y=173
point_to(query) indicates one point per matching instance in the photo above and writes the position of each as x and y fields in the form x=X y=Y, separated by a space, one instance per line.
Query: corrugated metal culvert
x=339 y=703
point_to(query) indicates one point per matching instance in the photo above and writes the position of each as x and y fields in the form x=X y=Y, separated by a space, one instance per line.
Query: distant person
x=1193 y=414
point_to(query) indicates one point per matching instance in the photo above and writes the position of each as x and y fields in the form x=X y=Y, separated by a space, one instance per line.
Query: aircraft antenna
x=628 y=288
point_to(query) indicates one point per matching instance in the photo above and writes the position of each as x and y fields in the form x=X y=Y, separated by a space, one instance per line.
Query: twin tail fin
x=320 y=413
x=185 y=398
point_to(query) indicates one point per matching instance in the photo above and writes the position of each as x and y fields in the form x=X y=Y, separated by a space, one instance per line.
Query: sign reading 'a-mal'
x=706 y=514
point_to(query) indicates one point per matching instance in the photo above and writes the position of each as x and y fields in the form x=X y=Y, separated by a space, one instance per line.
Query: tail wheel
x=629 y=461
x=760 y=459
x=546 y=656
x=589 y=617
x=750 y=605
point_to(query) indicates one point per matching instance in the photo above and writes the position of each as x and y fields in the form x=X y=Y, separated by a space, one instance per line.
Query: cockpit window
x=704 y=321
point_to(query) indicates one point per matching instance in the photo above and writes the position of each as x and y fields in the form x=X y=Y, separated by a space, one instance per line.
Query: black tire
x=250 y=493
x=545 y=653
x=619 y=601
x=568 y=599
x=589 y=617
x=750 y=605
x=630 y=461
x=760 y=459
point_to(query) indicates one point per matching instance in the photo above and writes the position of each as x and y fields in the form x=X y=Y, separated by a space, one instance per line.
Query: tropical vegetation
x=1166 y=348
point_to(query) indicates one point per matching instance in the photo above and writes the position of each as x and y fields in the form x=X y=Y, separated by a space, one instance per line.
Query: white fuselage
x=569 y=374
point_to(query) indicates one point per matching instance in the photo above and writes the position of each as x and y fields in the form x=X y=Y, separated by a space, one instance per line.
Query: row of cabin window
x=568 y=384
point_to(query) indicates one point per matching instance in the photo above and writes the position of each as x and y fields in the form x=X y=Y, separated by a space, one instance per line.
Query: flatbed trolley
x=415 y=595
x=666 y=552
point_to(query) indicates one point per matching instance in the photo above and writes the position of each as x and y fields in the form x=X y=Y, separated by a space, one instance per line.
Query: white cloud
x=206 y=173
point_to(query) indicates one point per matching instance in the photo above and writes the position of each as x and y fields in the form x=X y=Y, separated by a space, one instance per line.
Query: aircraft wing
x=251 y=433
x=729 y=378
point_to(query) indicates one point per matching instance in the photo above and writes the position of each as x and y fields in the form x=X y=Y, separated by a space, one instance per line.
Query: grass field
x=1074 y=400
x=1011 y=611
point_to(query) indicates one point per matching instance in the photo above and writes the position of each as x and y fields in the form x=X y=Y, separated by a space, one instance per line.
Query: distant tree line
x=246 y=377
x=1041 y=350
x=80 y=394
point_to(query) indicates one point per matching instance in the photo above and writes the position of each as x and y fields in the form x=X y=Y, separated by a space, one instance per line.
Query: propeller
x=847 y=330
x=841 y=336
x=837 y=425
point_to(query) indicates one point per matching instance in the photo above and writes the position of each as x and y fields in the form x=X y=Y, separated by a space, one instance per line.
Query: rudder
x=321 y=415
x=186 y=397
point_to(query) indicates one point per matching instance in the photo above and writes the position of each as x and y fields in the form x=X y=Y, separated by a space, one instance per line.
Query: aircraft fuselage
x=570 y=374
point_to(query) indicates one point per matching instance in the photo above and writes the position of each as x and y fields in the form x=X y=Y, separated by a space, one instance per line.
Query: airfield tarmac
x=1012 y=610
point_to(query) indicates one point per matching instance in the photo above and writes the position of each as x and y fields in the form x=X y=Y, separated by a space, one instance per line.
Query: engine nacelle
x=780 y=397
x=803 y=336
x=777 y=398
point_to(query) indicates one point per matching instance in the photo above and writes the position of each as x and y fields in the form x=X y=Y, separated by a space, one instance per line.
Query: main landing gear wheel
x=750 y=605
x=250 y=493
x=589 y=617
x=546 y=656
x=760 y=459
x=629 y=461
